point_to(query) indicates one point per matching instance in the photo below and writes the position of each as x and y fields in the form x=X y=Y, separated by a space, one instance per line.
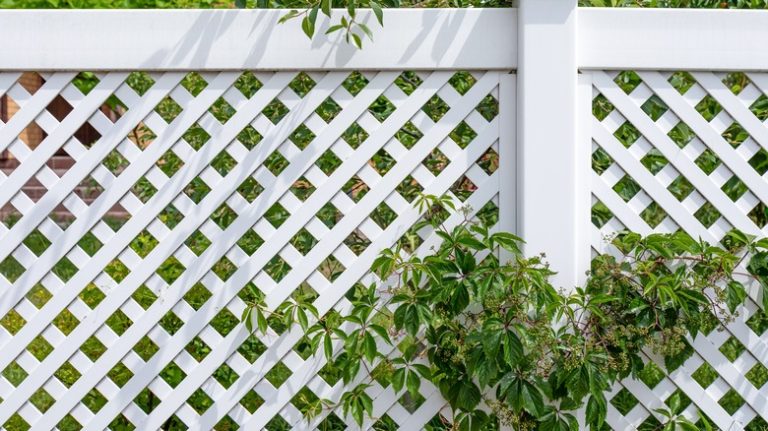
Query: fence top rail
x=414 y=39
x=252 y=39
x=673 y=39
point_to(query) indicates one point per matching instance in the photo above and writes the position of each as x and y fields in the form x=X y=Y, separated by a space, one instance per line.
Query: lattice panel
x=230 y=185
x=687 y=151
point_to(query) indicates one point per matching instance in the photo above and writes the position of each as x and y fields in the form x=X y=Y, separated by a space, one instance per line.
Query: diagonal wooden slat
x=137 y=277
x=646 y=180
x=39 y=101
x=82 y=224
x=94 y=266
x=731 y=375
x=51 y=143
x=169 y=137
x=713 y=140
x=262 y=367
x=447 y=177
x=7 y=79
x=733 y=106
x=318 y=198
x=646 y=126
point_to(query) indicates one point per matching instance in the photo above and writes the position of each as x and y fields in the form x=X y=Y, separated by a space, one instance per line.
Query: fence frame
x=544 y=100
x=222 y=40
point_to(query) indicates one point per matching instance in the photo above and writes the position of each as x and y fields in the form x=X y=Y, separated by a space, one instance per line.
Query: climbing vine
x=504 y=346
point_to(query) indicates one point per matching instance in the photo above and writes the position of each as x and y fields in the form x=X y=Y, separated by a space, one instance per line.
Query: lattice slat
x=219 y=181
x=687 y=151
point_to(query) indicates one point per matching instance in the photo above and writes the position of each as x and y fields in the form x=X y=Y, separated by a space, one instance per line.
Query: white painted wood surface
x=251 y=39
x=448 y=39
x=708 y=194
x=545 y=64
x=546 y=133
x=355 y=162
x=672 y=39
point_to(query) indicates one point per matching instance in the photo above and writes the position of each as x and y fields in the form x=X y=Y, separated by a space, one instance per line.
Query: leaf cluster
x=353 y=29
x=493 y=331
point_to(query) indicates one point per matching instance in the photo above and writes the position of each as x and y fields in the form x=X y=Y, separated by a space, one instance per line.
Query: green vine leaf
x=378 y=12
x=597 y=410
x=357 y=403
x=489 y=330
x=758 y=267
x=463 y=395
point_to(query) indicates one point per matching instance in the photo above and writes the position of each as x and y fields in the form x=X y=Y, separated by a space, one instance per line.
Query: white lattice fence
x=680 y=150
x=234 y=182
x=144 y=205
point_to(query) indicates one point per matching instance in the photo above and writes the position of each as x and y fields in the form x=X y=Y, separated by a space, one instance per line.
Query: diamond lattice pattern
x=143 y=211
x=680 y=150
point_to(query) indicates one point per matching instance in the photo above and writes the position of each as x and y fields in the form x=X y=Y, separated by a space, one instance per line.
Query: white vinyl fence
x=161 y=168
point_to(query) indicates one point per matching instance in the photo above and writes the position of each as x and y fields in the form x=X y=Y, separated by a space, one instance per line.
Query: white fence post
x=550 y=200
